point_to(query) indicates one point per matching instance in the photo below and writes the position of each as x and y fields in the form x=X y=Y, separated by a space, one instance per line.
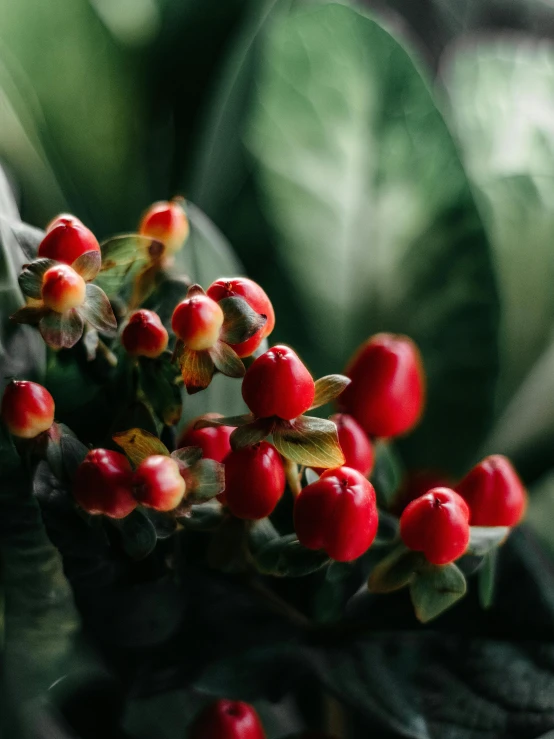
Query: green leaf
x=350 y=164
x=73 y=453
x=241 y=322
x=98 y=312
x=31 y=314
x=260 y=534
x=286 y=557
x=158 y=380
x=436 y=588
x=309 y=441
x=205 y=517
x=61 y=330
x=483 y=539
x=88 y=265
x=30 y=279
x=329 y=388
x=226 y=360
x=122 y=258
x=138 y=534
x=251 y=433
x=197 y=369
x=491 y=104
x=396 y=570
x=139 y=444
x=387 y=473
x=205 y=479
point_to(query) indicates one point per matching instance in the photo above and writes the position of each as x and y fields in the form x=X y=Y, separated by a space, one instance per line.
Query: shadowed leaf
x=435 y=588
x=30 y=314
x=395 y=571
x=205 y=479
x=188 y=455
x=482 y=539
x=251 y=433
x=204 y=423
x=138 y=534
x=227 y=360
x=30 y=279
x=197 y=369
x=241 y=322
x=97 y=311
x=61 y=330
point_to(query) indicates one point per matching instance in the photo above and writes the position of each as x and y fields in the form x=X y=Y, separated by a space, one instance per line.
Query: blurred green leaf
x=286 y=557
x=370 y=212
x=501 y=97
x=435 y=588
x=138 y=534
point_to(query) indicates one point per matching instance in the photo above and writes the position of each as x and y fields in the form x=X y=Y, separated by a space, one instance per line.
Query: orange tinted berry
x=63 y=288
x=167 y=222
x=27 y=409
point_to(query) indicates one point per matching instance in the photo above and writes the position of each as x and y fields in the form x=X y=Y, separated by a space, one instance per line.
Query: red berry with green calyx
x=254 y=481
x=62 y=288
x=387 y=392
x=436 y=524
x=255 y=296
x=494 y=493
x=197 y=321
x=226 y=719
x=337 y=513
x=66 y=240
x=103 y=484
x=278 y=384
x=158 y=483
x=166 y=221
x=144 y=335
x=27 y=409
x=213 y=440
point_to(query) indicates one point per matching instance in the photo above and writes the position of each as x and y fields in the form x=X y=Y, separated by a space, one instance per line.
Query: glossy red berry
x=494 y=493
x=197 y=321
x=415 y=484
x=158 y=483
x=226 y=719
x=337 y=513
x=103 y=484
x=144 y=335
x=214 y=441
x=27 y=409
x=436 y=524
x=254 y=480
x=357 y=448
x=167 y=222
x=67 y=239
x=278 y=384
x=387 y=392
x=256 y=298
x=63 y=288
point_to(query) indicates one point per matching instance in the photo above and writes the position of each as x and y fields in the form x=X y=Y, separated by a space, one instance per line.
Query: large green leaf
x=501 y=96
x=86 y=126
x=373 y=217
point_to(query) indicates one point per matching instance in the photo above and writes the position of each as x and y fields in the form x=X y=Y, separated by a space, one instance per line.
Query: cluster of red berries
x=338 y=512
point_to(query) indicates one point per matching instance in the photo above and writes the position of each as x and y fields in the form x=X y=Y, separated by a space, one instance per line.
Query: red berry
x=417 y=483
x=256 y=298
x=226 y=719
x=387 y=392
x=197 y=322
x=214 y=441
x=67 y=239
x=103 y=484
x=278 y=384
x=63 y=218
x=27 y=409
x=337 y=513
x=494 y=493
x=356 y=447
x=167 y=222
x=144 y=335
x=436 y=524
x=63 y=288
x=158 y=483
x=254 y=480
